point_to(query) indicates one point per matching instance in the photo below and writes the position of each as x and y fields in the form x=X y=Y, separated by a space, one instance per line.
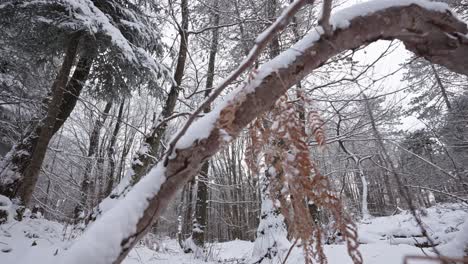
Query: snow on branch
x=260 y=43
x=341 y=19
x=111 y=237
x=84 y=15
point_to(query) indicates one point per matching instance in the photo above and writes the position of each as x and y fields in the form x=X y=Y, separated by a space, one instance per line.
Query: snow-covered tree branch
x=426 y=28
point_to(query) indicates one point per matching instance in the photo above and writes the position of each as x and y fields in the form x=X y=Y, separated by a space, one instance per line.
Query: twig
x=289 y=251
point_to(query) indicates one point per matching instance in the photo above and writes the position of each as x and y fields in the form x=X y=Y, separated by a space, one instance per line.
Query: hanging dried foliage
x=296 y=181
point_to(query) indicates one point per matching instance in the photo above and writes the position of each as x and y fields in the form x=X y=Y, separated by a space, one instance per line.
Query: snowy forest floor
x=384 y=240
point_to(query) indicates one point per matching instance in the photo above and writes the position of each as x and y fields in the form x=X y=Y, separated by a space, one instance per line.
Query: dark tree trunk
x=187 y=219
x=31 y=172
x=152 y=141
x=16 y=161
x=388 y=187
x=111 y=150
x=200 y=217
x=75 y=86
x=86 y=185
x=272 y=7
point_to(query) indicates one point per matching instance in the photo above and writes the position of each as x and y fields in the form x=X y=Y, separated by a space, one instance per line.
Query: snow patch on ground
x=43 y=241
x=103 y=238
x=442 y=223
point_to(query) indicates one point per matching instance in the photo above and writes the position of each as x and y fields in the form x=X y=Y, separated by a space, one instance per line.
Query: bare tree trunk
x=272 y=7
x=152 y=141
x=128 y=142
x=98 y=178
x=76 y=84
x=188 y=213
x=365 y=193
x=111 y=150
x=386 y=180
x=200 y=217
x=92 y=149
x=19 y=158
x=180 y=210
x=32 y=171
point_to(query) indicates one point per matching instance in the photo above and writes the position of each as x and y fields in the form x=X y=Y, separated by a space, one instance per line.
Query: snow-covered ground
x=384 y=240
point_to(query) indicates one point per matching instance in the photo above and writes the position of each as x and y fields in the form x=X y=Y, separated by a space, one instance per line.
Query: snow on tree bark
x=271 y=242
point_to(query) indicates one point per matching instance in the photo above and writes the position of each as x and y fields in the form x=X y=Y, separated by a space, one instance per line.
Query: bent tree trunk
x=432 y=33
x=31 y=172
x=14 y=164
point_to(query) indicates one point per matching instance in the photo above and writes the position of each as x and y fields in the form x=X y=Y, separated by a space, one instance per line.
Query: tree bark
x=187 y=219
x=75 y=85
x=388 y=187
x=90 y=160
x=18 y=159
x=439 y=32
x=152 y=141
x=272 y=6
x=31 y=172
x=201 y=210
x=111 y=150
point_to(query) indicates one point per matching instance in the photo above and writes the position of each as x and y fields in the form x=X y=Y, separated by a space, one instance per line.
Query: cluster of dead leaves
x=282 y=136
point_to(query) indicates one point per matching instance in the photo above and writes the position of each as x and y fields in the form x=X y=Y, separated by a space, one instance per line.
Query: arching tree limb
x=436 y=35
